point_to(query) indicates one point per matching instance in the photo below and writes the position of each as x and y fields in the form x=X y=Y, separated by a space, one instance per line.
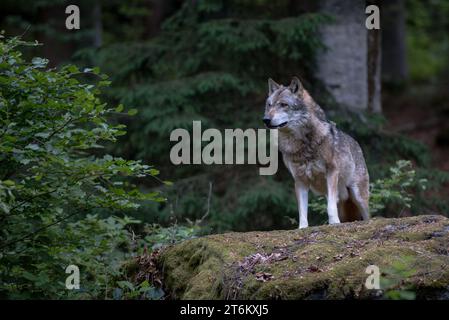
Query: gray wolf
x=319 y=156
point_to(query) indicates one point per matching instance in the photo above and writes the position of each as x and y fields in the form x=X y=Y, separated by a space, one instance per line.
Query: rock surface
x=324 y=262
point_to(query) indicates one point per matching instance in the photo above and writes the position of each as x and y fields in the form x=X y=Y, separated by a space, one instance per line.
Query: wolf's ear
x=296 y=86
x=272 y=86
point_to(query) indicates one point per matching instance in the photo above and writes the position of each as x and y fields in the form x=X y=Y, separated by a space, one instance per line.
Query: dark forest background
x=176 y=61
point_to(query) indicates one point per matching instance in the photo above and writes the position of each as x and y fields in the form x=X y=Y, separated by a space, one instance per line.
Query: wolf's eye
x=283 y=105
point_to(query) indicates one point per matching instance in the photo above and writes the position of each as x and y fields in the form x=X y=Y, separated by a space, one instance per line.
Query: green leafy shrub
x=52 y=173
x=97 y=246
x=395 y=189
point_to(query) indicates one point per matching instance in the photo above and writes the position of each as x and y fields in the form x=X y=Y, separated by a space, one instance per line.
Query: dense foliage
x=427 y=39
x=51 y=177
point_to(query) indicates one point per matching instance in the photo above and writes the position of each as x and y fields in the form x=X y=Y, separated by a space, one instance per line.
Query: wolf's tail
x=348 y=211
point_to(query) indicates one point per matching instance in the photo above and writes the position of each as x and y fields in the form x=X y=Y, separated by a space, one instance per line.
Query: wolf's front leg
x=302 y=195
x=332 y=197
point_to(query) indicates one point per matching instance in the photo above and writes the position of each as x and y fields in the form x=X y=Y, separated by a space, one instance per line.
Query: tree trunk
x=98 y=24
x=157 y=15
x=350 y=66
x=394 y=62
x=374 y=67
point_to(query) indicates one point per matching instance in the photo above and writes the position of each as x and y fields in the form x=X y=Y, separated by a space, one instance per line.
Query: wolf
x=319 y=156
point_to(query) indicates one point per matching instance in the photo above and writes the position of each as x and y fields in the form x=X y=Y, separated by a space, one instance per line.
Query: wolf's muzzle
x=267 y=122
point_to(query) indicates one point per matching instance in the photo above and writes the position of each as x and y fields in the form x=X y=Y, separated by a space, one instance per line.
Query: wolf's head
x=287 y=106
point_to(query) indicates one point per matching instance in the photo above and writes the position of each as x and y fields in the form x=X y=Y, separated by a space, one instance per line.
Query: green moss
x=326 y=262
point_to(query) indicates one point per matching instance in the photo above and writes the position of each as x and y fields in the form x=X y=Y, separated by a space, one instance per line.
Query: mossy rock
x=325 y=262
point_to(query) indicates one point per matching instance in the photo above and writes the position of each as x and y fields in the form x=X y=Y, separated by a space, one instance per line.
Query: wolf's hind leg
x=348 y=211
x=359 y=194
